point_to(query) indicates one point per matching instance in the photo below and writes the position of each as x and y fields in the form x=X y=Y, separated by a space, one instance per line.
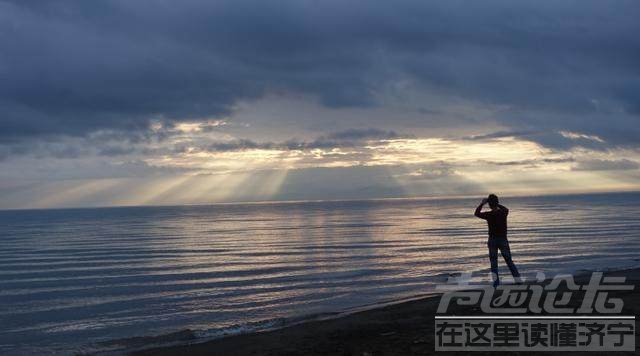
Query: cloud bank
x=72 y=68
x=197 y=86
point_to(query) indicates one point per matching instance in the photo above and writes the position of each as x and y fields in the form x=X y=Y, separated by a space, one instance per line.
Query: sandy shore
x=401 y=329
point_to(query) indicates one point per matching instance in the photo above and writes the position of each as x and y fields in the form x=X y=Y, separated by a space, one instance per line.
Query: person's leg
x=493 y=258
x=506 y=254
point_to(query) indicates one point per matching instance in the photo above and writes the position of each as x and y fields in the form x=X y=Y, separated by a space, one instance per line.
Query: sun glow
x=408 y=166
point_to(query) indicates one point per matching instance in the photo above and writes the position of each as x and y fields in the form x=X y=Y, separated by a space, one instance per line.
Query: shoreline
x=402 y=328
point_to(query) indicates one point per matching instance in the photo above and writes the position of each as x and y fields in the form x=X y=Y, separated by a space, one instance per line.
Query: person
x=497 y=220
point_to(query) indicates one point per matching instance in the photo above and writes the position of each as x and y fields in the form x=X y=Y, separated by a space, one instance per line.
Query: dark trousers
x=495 y=244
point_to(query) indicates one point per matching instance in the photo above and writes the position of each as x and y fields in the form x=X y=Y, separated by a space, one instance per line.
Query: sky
x=117 y=102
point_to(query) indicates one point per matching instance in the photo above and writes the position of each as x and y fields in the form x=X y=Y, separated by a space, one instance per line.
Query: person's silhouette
x=497 y=221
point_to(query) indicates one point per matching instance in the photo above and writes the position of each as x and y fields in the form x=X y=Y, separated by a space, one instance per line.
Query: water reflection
x=68 y=276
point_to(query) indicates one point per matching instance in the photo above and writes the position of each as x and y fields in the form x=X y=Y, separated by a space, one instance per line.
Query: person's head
x=493 y=201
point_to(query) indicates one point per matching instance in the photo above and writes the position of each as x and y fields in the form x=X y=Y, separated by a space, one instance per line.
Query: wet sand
x=401 y=329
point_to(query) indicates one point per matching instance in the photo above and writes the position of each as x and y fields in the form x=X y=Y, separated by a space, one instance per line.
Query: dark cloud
x=531 y=162
x=339 y=139
x=104 y=143
x=71 y=67
x=501 y=134
x=580 y=164
x=606 y=165
x=121 y=143
x=241 y=144
x=362 y=134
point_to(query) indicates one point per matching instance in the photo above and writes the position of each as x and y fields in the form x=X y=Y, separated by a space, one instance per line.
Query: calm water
x=78 y=280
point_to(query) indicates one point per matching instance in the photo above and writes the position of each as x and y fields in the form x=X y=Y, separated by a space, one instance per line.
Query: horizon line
x=267 y=202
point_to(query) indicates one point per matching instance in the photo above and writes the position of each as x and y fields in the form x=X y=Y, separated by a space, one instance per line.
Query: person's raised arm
x=478 y=212
x=502 y=207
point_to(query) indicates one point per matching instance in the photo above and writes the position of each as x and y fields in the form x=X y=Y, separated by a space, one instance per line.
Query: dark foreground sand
x=401 y=329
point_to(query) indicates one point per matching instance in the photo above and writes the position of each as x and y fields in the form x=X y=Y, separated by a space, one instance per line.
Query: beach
x=402 y=329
